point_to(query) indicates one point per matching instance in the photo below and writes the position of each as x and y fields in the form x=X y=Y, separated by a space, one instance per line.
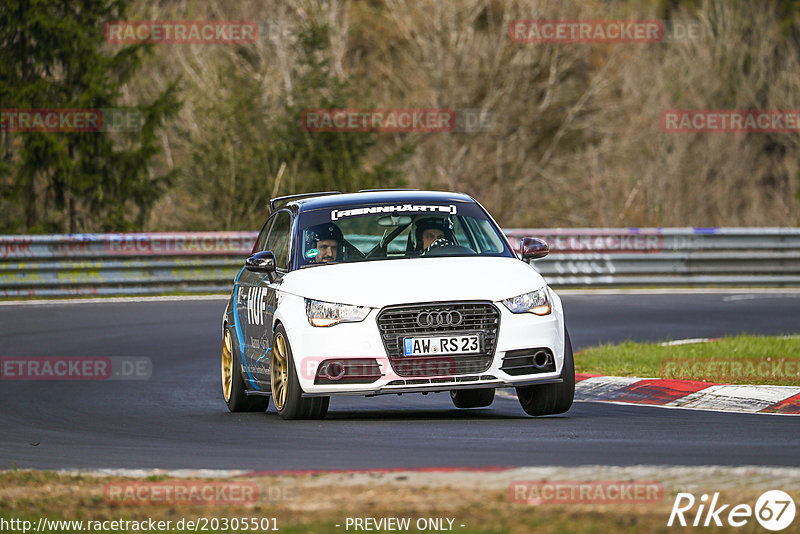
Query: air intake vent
x=528 y=362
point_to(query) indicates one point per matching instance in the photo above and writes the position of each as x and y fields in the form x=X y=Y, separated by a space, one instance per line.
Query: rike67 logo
x=774 y=510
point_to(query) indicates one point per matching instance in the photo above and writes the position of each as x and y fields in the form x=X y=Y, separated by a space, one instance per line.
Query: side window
x=488 y=240
x=261 y=241
x=278 y=240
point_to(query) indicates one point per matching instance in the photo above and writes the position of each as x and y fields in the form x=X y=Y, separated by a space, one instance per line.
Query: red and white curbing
x=688 y=394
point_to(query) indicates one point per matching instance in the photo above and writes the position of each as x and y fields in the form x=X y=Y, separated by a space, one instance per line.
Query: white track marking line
x=689 y=341
x=672 y=476
x=114 y=300
x=754 y=296
x=743 y=291
x=703 y=409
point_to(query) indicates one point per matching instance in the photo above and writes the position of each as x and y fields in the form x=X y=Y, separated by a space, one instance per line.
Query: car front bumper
x=362 y=341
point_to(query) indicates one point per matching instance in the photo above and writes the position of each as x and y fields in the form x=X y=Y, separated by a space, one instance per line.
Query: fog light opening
x=332 y=370
x=541 y=359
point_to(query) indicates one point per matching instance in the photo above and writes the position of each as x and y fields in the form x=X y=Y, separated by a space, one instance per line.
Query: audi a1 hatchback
x=391 y=291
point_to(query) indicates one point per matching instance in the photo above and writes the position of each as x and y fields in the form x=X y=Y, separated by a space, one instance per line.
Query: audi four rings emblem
x=430 y=318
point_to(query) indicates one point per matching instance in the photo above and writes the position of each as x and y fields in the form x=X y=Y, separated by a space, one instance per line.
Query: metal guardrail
x=121 y=264
x=157 y=263
x=668 y=256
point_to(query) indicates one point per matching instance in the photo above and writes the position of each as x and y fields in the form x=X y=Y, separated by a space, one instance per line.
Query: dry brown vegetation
x=317 y=504
x=575 y=138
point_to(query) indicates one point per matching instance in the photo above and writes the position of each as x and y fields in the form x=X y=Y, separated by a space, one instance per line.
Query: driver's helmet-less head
x=322 y=232
x=433 y=223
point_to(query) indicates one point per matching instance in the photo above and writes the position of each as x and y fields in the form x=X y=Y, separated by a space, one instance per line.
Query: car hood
x=384 y=282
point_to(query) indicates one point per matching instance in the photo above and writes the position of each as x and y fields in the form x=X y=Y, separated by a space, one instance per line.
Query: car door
x=261 y=296
x=245 y=304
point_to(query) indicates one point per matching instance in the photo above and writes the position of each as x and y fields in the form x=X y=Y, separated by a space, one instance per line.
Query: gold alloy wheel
x=227 y=366
x=279 y=372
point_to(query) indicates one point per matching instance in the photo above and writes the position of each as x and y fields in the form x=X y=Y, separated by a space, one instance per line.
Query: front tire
x=551 y=399
x=286 y=392
x=233 y=390
x=472 y=398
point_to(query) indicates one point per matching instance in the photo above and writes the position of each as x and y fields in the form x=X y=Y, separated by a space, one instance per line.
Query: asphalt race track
x=177 y=418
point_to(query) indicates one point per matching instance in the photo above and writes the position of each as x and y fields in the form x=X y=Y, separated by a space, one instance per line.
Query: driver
x=324 y=243
x=432 y=229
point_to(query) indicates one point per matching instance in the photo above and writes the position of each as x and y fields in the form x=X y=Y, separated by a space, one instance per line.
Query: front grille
x=398 y=322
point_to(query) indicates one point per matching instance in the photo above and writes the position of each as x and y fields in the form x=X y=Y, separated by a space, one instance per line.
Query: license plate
x=428 y=346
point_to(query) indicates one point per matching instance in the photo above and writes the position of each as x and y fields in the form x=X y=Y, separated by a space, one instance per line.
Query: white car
x=391 y=291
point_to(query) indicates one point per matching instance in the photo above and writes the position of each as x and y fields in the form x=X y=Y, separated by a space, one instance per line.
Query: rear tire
x=286 y=392
x=472 y=398
x=551 y=399
x=233 y=389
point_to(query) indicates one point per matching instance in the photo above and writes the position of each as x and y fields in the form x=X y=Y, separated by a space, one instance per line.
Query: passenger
x=433 y=230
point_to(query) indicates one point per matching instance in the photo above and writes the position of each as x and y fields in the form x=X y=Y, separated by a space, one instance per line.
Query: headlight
x=321 y=313
x=537 y=302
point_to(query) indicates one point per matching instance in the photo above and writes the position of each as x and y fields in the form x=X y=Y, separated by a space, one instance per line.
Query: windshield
x=367 y=233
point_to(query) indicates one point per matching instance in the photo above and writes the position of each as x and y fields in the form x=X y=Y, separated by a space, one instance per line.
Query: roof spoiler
x=273 y=202
x=392 y=189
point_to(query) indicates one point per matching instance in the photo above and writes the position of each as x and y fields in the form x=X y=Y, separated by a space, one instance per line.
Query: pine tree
x=53 y=55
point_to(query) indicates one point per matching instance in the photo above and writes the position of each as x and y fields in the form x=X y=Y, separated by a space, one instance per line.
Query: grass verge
x=739 y=359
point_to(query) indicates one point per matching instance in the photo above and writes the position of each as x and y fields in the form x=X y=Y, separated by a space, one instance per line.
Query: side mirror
x=261 y=262
x=534 y=248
